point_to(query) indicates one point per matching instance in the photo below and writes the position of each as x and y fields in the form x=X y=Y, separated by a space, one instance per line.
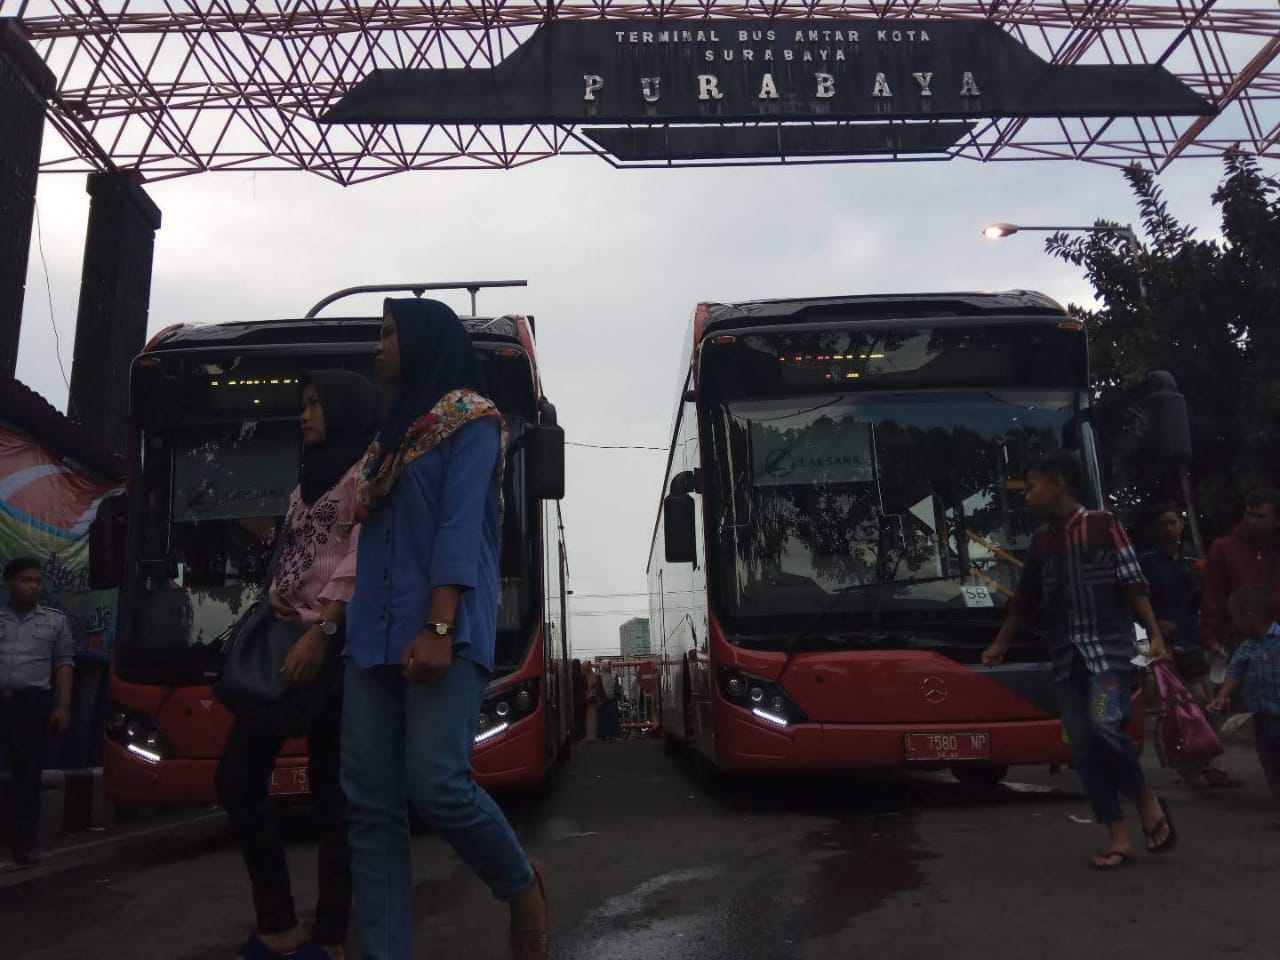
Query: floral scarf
x=378 y=473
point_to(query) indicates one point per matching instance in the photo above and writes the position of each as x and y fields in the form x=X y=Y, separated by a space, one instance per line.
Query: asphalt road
x=645 y=864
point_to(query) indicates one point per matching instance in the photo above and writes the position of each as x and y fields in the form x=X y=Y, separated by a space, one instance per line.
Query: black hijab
x=436 y=358
x=350 y=405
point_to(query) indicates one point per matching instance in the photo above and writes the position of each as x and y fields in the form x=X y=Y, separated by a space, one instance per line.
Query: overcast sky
x=616 y=262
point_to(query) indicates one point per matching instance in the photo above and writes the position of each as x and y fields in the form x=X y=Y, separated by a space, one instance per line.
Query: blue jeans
x=408 y=742
x=1096 y=710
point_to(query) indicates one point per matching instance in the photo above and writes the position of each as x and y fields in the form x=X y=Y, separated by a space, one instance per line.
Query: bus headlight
x=504 y=707
x=766 y=700
x=137 y=733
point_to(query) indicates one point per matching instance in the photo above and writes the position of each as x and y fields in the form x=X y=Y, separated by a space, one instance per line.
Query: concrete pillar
x=25 y=88
x=115 y=294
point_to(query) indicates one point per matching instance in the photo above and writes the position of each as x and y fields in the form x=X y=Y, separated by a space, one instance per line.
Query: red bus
x=212 y=459
x=842 y=525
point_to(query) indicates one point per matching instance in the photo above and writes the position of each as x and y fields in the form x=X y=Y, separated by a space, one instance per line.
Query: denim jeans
x=1096 y=710
x=404 y=742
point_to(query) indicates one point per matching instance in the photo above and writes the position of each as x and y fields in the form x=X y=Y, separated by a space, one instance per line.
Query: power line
x=57 y=338
x=609 y=446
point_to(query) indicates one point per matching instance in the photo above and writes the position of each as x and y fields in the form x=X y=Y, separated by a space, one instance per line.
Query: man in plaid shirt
x=1082 y=581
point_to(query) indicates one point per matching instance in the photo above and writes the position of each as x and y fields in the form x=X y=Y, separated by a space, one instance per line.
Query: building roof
x=30 y=412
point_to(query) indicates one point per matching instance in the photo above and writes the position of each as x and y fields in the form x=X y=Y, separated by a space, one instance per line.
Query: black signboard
x=776 y=141
x=713 y=71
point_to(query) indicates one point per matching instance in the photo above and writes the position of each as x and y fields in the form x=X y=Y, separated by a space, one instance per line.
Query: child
x=1255 y=666
x=1083 y=582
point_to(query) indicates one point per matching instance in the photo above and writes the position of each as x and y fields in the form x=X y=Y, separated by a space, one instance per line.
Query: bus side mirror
x=545 y=443
x=678 y=528
x=679 y=518
x=1169 y=426
x=107 y=535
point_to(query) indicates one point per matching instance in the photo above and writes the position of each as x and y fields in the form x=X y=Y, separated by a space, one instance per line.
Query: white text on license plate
x=289 y=780
x=948 y=746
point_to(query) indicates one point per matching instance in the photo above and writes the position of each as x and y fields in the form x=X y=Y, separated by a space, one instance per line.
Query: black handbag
x=254 y=650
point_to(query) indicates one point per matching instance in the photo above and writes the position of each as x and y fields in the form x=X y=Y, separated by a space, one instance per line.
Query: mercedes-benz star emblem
x=935 y=689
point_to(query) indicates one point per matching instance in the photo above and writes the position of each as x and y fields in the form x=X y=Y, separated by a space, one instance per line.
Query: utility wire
x=608 y=446
x=57 y=338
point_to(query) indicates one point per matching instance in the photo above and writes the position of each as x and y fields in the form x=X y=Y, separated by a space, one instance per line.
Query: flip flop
x=1125 y=860
x=1171 y=838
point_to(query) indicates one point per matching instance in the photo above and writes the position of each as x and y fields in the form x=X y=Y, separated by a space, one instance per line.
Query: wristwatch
x=329 y=628
x=440 y=629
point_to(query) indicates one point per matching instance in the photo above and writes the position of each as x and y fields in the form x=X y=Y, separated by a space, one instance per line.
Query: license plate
x=948 y=746
x=288 y=780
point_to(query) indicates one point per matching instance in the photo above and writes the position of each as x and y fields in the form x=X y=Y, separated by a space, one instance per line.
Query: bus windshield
x=873 y=500
x=216 y=481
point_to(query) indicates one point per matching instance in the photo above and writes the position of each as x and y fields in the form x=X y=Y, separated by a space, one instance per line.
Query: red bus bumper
x=130 y=780
x=743 y=743
x=516 y=758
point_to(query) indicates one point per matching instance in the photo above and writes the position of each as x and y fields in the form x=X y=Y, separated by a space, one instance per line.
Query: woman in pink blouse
x=314 y=579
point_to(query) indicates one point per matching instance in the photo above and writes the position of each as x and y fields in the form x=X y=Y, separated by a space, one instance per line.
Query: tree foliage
x=1205 y=310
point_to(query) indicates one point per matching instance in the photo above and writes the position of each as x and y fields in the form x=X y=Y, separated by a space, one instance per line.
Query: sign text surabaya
x=823 y=86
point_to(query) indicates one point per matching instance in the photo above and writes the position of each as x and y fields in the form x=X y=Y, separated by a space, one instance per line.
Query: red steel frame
x=176 y=87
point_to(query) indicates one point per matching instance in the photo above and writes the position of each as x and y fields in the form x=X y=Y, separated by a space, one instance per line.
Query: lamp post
x=998 y=231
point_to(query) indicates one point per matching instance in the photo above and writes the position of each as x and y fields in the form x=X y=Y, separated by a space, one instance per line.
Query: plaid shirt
x=1078 y=581
x=1257 y=663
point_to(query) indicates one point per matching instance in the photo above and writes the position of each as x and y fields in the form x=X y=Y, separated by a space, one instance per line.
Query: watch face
x=329 y=628
x=442 y=629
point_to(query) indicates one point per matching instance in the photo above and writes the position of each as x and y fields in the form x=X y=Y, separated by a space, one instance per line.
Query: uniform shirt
x=1174 y=597
x=438 y=526
x=1257 y=664
x=32 y=646
x=318 y=558
x=1079 y=579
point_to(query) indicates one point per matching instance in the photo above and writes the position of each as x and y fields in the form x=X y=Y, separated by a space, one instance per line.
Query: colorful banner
x=46 y=506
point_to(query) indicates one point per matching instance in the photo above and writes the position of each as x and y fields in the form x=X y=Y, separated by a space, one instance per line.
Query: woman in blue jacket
x=420 y=633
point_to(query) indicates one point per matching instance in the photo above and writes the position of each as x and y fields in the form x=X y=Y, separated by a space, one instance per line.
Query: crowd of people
x=1086 y=585
x=604 y=708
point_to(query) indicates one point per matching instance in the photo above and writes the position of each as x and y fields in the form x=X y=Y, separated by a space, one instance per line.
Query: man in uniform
x=36 y=648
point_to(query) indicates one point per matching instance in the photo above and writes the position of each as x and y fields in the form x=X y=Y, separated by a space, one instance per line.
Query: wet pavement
x=645 y=863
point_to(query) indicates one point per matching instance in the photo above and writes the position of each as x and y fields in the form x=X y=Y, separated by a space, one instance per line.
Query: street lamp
x=998 y=231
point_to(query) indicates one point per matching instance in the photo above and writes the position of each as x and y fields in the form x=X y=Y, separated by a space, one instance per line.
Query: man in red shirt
x=1249 y=555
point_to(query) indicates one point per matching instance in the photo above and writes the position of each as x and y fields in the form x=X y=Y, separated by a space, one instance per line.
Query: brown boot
x=533 y=943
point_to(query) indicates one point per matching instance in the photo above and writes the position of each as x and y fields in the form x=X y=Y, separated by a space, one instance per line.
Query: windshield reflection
x=904 y=500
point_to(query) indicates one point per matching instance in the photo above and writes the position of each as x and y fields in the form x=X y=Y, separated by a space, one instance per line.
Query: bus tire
x=983 y=776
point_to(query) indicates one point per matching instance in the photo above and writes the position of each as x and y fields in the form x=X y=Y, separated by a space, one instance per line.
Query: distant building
x=635 y=637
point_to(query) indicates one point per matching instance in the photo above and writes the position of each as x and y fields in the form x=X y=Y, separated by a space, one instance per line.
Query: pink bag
x=1184 y=736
